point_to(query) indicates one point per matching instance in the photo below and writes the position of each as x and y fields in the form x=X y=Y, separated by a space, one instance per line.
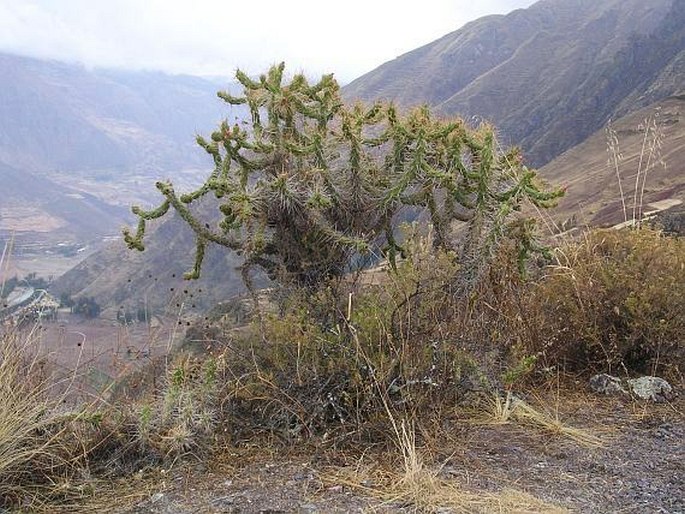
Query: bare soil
x=29 y=219
x=639 y=467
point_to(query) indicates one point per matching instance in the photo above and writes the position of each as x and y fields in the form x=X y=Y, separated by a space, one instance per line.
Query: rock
x=647 y=388
x=157 y=497
x=651 y=388
x=606 y=384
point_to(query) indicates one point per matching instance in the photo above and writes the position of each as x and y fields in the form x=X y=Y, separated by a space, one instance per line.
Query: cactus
x=314 y=184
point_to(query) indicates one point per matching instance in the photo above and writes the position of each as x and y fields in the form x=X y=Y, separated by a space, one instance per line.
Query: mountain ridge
x=57 y=116
x=547 y=76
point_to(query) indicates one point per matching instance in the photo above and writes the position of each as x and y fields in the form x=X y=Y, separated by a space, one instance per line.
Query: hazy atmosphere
x=320 y=257
x=213 y=37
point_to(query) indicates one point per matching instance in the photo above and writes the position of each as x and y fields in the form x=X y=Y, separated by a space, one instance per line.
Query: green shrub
x=182 y=416
x=86 y=306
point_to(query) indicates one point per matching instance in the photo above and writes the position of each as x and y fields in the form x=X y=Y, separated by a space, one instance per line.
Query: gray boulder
x=607 y=385
x=646 y=388
x=651 y=388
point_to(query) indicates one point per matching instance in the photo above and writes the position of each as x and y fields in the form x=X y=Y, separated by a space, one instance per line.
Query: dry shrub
x=615 y=301
x=300 y=380
x=338 y=364
x=306 y=372
x=59 y=445
x=400 y=341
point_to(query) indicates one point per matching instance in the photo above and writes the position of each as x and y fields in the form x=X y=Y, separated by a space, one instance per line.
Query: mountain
x=593 y=196
x=119 y=277
x=78 y=146
x=63 y=117
x=547 y=76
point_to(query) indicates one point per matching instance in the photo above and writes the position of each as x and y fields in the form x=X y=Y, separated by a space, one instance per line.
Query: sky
x=214 y=37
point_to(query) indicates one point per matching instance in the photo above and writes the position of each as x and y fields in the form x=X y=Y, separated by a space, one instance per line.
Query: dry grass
x=36 y=453
x=420 y=487
x=61 y=451
x=110 y=495
x=509 y=408
x=650 y=155
x=45 y=432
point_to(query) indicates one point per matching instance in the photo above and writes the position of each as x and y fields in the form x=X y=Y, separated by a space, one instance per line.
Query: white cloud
x=216 y=36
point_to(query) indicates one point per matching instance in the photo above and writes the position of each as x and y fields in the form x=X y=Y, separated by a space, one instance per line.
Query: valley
x=50 y=237
x=48 y=257
x=79 y=146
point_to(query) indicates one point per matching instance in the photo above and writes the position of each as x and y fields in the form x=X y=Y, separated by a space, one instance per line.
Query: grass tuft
x=38 y=452
x=419 y=487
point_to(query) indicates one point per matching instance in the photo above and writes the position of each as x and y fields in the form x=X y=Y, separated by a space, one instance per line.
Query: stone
x=606 y=384
x=655 y=389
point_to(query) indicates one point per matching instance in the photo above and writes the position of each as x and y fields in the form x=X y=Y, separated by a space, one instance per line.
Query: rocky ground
x=639 y=467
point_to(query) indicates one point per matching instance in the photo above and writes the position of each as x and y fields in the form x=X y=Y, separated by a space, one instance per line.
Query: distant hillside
x=79 y=146
x=593 y=196
x=64 y=117
x=547 y=76
x=119 y=277
x=32 y=203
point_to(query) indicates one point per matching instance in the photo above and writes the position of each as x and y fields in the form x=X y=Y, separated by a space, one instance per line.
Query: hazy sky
x=213 y=37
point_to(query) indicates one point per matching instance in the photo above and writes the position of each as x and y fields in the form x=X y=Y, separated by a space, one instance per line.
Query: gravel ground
x=638 y=469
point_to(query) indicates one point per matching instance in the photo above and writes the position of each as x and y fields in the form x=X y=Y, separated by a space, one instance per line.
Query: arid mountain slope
x=593 y=196
x=547 y=76
x=117 y=276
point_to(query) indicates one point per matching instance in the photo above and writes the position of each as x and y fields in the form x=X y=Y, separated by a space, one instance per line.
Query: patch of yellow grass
x=421 y=488
x=39 y=447
x=508 y=408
